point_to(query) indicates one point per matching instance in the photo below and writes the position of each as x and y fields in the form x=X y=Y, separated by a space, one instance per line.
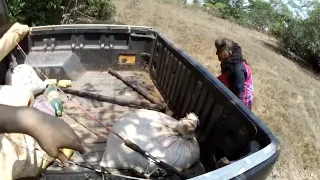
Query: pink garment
x=249 y=90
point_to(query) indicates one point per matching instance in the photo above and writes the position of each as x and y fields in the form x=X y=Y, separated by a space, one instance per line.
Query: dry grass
x=287 y=95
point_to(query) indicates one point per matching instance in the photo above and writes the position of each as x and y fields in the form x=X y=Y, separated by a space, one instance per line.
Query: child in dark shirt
x=235 y=72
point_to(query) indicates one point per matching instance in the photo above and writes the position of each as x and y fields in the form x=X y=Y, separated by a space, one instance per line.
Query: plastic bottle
x=53 y=96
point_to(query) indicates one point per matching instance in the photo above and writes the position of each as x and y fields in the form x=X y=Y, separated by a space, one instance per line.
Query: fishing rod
x=127 y=142
x=98 y=171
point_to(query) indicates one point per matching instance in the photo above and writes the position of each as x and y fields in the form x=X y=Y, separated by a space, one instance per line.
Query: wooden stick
x=149 y=97
x=121 y=102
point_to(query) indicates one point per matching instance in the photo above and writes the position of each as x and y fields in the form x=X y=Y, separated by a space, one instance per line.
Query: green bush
x=48 y=12
x=221 y=10
x=100 y=9
x=302 y=37
x=34 y=12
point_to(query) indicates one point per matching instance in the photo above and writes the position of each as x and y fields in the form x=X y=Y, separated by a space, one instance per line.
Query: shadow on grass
x=291 y=56
x=305 y=65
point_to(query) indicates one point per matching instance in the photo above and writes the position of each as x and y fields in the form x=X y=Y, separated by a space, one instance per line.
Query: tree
x=261 y=14
x=196 y=2
x=283 y=17
x=303 y=37
x=217 y=1
x=226 y=9
x=237 y=4
x=47 y=12
x=33 y=12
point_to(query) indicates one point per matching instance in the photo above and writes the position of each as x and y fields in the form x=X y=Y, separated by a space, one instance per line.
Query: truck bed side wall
x=226 y=125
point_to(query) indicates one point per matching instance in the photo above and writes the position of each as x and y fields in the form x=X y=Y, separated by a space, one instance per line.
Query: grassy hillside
x=287 y=94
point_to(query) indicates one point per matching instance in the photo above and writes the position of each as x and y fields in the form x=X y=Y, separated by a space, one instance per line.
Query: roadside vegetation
x=298 y=33
x=35 y=13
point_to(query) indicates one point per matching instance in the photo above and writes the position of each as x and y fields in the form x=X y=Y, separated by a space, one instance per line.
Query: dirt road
x=287 y=95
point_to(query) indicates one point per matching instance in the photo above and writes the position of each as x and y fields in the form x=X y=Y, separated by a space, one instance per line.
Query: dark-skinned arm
x=14 y=119
x=51 y=133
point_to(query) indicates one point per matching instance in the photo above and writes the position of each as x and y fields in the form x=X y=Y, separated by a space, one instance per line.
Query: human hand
x=52 y=134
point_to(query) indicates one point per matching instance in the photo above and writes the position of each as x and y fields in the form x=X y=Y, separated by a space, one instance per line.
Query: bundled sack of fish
x=159 y=134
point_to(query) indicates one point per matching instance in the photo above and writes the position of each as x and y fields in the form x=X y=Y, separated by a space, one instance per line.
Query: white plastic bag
x=24 y=75
x=162 y=136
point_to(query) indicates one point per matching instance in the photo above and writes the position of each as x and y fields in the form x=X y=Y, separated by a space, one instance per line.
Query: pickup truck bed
x=83 y=54
x=93 y=135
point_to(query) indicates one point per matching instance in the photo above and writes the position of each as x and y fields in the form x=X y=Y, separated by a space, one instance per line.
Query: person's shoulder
x=239 y=66
x=240 y=70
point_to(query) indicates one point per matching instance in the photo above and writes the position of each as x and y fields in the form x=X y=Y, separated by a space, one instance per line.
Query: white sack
x=22 y=157
x=24 y=75
x=162 y=136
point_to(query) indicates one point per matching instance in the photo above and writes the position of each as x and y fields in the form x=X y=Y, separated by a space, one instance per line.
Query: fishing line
x=91 y=115
x=127 y=142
